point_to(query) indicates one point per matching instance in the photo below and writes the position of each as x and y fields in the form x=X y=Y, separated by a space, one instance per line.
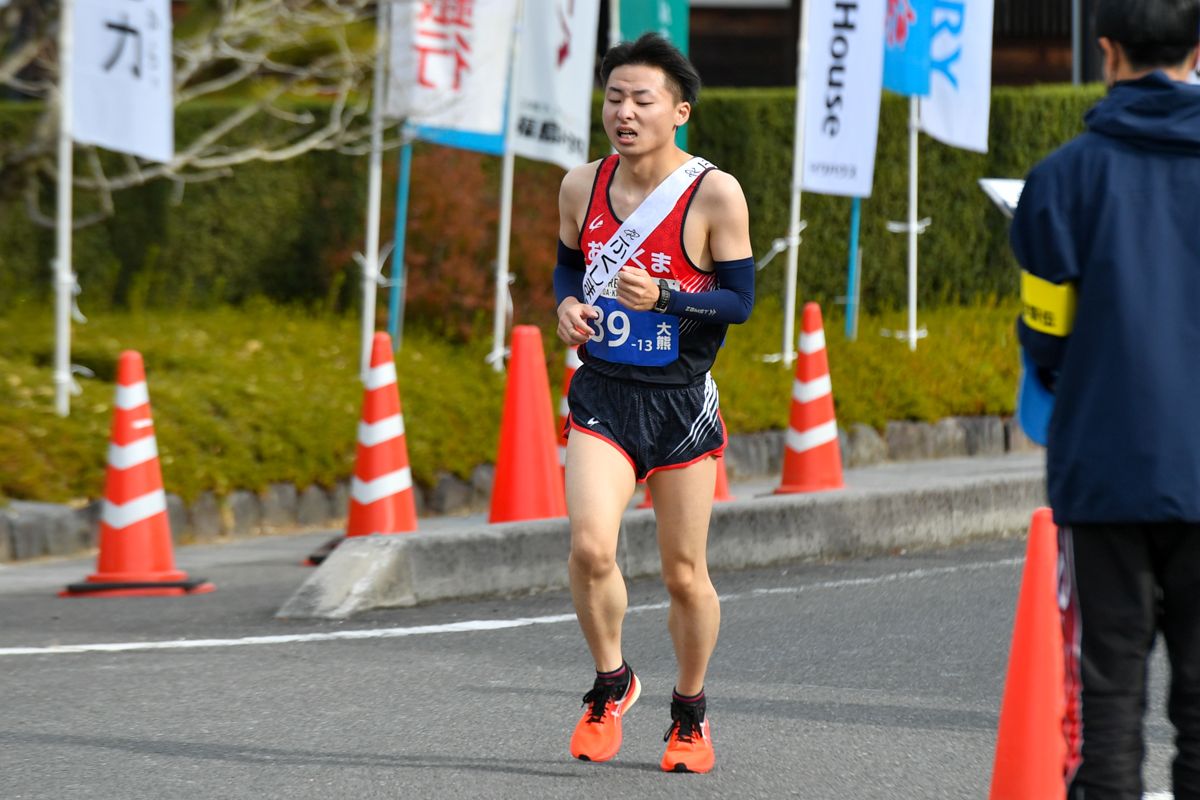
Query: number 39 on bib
x=640 y=338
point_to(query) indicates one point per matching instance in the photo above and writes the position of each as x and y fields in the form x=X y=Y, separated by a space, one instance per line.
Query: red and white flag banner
x=449 y=63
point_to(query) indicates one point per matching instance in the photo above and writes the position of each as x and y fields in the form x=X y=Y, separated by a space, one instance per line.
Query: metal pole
x=853 y=270
x=914 y=122
x=370 y=260
x=399 y=274
x=857 y=293
x=614 y=22
x=499 y=318
x=793 y=255
x=1076 y=42
x=64 y=277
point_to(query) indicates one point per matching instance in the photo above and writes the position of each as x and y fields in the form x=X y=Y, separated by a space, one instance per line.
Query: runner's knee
x=686 y=580
x=591 y=560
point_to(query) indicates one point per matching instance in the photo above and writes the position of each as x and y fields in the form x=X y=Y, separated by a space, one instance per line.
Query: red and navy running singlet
x=644 y=345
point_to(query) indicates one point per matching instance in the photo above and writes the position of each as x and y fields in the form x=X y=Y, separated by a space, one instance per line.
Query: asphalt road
x=873 y=678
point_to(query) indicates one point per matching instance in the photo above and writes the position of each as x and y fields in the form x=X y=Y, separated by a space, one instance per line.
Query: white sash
x=640 y=224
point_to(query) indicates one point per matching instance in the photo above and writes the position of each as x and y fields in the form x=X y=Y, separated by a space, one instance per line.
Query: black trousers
x=1119 y=585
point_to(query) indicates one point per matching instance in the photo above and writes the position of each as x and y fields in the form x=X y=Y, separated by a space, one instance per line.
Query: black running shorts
x=655 y=427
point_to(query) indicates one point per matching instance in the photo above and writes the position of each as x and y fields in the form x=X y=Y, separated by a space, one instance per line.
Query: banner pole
x=396 y=295
x=793 y=254
x=64 y=277
x=852 y=270
x=913 y=125
x=370 y=260
x=499 y=318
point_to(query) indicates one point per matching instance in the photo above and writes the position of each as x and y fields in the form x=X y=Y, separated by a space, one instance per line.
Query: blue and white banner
x=845 y=79
x=957 y=109
x=908 y=33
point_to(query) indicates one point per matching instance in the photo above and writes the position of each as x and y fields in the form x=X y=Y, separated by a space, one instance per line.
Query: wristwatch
x=664 y=299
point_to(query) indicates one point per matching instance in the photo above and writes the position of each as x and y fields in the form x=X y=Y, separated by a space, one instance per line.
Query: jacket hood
x=1153 y=112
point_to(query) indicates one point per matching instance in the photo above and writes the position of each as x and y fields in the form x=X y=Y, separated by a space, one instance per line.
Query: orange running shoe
x=597 y=737
x=689 y=740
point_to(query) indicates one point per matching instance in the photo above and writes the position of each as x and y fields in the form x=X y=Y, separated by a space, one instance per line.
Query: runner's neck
x=642 y=174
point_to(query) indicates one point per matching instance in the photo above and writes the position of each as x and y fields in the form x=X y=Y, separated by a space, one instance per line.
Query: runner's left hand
x=636 y=290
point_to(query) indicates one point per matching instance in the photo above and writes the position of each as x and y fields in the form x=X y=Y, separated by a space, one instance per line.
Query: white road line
x=479 y=624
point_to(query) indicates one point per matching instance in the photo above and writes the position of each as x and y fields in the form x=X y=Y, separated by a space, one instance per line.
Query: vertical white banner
x=450 y=63
x=844 y=79
x=124 y=79
x=957 y=109
x=555 y=77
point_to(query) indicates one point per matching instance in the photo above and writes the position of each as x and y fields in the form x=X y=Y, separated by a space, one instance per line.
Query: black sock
x=619 y=676
x=696 y=700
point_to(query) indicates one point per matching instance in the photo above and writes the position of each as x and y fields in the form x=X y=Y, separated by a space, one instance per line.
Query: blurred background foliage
x=242 y=295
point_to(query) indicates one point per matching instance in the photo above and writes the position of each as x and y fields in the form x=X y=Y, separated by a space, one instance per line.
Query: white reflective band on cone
x=367 y=492
x=386 y=429
x=136 y=510
x=813 y=437
x=132 y=396
x=383 y=375
x=132 y=454
x=806 y=392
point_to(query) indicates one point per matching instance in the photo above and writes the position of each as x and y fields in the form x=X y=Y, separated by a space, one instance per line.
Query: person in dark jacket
x=1107 y=232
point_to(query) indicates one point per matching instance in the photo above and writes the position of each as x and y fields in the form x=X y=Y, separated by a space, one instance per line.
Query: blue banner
x=489 y=143
x=908 y=37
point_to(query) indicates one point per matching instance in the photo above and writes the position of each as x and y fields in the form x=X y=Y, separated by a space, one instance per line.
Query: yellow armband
x=1048 y=307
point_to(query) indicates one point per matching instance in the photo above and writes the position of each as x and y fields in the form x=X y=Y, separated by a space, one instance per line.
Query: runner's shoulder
x=720 y=192
x=577 y=183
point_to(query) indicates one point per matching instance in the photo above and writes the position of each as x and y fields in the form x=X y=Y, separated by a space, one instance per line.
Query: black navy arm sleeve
x=568 y=274
x=729 y=303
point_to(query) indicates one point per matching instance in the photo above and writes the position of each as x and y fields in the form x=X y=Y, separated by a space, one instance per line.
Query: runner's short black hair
x=1153 y=33
x=652 y=50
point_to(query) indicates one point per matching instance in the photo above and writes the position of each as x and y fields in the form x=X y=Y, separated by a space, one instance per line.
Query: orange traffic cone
x=720 y=490
x=1031 y=749
x=528 y=482
x=136 y=556
x=381 y=493
x=573 y=363
x=812 y=458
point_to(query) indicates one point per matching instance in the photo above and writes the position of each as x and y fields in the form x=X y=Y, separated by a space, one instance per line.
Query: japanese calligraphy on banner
x=959 y=103
x=555 y=77
x=845 y=80
x=123 y=77
x=450 y=63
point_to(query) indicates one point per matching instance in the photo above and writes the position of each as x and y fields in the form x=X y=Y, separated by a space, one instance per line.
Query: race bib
x=640 y=338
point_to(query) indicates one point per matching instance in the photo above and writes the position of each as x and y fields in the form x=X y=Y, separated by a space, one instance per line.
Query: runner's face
x=640 y=111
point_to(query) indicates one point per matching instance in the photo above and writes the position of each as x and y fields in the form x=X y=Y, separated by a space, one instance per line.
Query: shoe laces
x=685 y=723
x=598 y=698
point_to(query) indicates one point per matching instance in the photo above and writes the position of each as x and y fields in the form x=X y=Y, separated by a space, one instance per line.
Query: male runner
x=643 y=405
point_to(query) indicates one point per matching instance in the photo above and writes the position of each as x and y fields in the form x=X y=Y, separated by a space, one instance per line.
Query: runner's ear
x=683 y=112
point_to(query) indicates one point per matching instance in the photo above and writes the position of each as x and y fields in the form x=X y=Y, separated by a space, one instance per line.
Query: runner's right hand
x=573 y=316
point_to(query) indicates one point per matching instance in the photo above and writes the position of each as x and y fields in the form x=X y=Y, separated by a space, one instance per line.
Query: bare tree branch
x=269 y=54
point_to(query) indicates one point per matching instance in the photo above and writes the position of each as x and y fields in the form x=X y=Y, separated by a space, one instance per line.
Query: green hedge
x=287 y=231
x=262 y=394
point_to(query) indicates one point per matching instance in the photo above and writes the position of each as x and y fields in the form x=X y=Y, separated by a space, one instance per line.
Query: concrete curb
x=403 y=570
x=34 y=530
